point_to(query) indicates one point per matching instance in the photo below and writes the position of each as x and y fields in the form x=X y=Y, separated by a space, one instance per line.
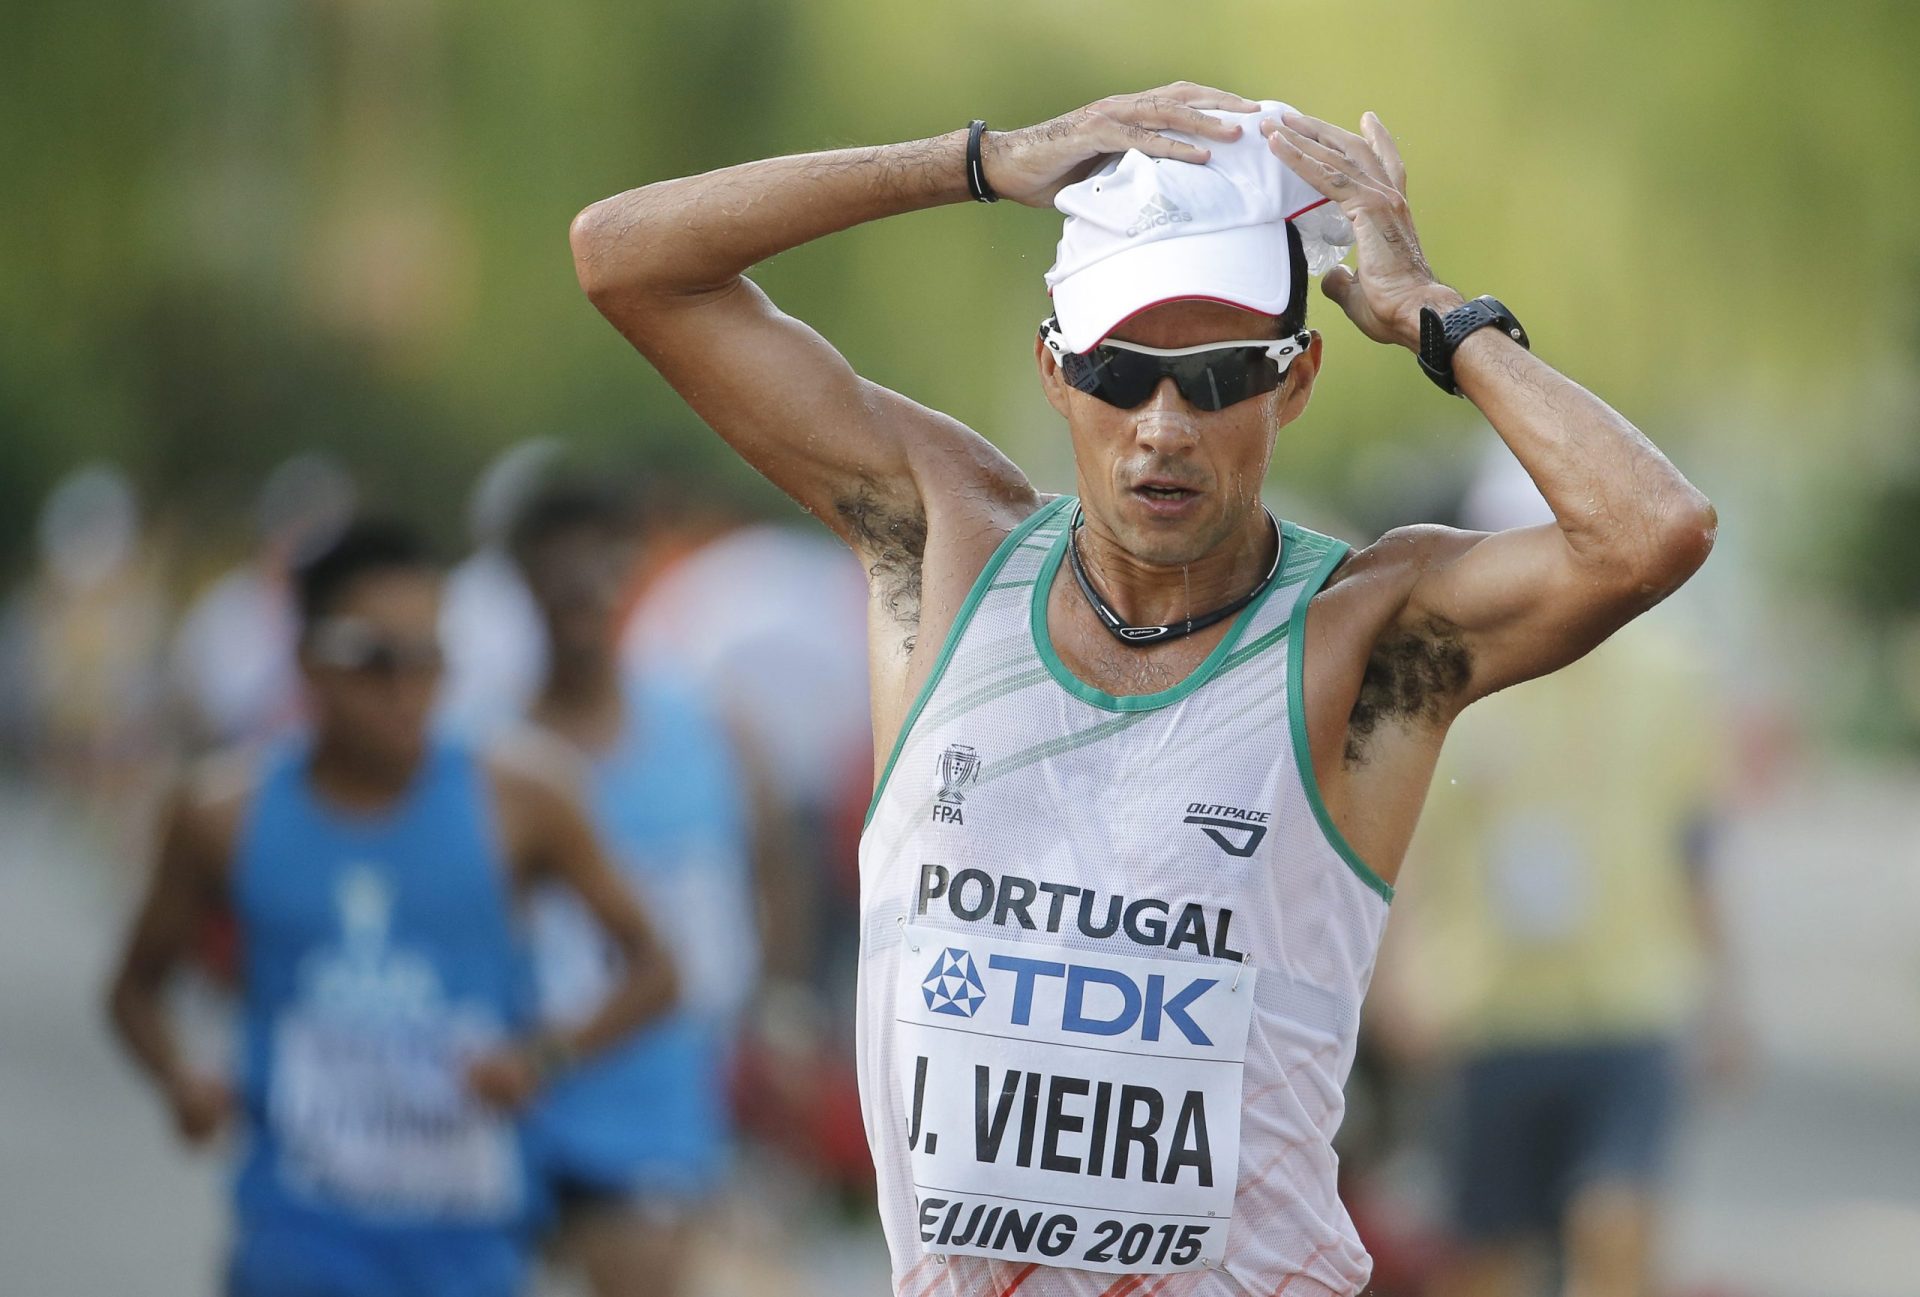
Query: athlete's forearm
x=139 y=1019
x=1633 y=526
x=1621 y=505
x=648 y=990
x=699 y=233
x=172 y=915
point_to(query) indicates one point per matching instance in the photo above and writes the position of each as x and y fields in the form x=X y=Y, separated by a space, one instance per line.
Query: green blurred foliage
x=229 y=231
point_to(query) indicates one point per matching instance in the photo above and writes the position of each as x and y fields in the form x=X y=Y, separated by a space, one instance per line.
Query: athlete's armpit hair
x=1409 y=677
x=893 y=541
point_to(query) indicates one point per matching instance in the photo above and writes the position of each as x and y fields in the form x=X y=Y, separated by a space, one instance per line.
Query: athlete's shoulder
x=991 y=500
x=539 y=783
x=1029 y=512
x=213 y=797
x=968 y=467
x=529 y=766
x=1400 y=557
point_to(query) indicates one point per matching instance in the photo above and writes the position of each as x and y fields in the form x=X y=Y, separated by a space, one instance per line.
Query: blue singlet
x=380 y=954
x=650 y=1117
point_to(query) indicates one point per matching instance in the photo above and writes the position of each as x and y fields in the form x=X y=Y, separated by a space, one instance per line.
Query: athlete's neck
x=359 y=780
x=1146 y=593
x=583 y=701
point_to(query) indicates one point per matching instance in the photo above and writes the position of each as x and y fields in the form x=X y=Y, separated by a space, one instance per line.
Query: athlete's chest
x=1034 y=813
x=1010 y=774
x=1097 y=658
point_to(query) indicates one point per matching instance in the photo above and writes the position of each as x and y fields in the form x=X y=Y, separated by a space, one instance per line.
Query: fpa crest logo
x=959 y=766
x=953 y=984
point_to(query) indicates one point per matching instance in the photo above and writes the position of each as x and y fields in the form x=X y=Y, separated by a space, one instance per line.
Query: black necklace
x=1126 y=634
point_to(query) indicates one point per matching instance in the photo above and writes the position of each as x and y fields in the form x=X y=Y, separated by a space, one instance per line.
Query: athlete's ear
x=1301 y=373
x=1052 y=381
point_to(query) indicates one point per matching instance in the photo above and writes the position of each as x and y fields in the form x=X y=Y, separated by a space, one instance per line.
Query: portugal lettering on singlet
x=1071 y=1107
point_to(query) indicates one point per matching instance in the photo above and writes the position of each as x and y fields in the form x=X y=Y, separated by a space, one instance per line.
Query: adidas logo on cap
x=1159 y=210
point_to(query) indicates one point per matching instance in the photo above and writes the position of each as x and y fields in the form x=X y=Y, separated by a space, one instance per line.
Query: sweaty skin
x=1407 y=632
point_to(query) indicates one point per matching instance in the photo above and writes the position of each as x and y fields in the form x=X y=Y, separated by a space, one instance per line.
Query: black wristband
x=976 y=174
x=1441 y=336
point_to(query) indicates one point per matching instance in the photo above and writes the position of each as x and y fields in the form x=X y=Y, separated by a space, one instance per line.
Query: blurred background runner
x=387 y=1043
x=232 y=658
x=636 y=1146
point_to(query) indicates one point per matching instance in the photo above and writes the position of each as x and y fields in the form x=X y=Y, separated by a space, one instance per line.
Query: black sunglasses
x=350 y=644
x=1210 y=377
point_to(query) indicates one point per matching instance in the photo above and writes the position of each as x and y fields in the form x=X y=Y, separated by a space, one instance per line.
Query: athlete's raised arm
x=1628 y=528
x=666 y=264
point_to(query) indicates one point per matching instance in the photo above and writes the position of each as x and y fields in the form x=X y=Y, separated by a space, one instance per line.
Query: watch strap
x=1441 y=336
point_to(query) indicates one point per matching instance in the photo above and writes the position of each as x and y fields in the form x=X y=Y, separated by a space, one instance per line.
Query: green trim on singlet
x=959 y=706
x=981 y=584
x=1297 y=715
x=1067 y=680
x=1306 y=556
x=1095 y=733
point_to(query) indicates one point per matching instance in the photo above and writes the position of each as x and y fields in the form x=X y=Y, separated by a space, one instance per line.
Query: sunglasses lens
x=393 y=660
x=1213 y=380
x=382 y=660
x=352 y=650
x=1120 y=378
x=1208 y=380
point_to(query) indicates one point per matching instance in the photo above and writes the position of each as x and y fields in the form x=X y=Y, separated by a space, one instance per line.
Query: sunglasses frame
x=1281 y=351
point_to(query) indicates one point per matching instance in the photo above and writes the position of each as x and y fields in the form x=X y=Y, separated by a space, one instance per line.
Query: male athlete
x=387 y=1039
x=636 y=1142
x=1155 y=757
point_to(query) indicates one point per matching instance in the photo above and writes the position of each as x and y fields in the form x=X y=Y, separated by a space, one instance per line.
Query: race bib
x=379 y=1117
x=1067 y=1107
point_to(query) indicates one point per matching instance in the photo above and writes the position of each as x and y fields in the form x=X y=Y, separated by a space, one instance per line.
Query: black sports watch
x=1441 y=335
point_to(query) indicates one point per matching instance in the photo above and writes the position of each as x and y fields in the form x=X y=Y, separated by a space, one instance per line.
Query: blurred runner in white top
x=773 y=620
x=233 y=655
x=496 y=645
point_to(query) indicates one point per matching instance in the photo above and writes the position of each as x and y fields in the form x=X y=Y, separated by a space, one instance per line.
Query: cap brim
x=1246 y=266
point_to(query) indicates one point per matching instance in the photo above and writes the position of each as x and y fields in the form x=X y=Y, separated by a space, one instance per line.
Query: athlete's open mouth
x=1166 y=500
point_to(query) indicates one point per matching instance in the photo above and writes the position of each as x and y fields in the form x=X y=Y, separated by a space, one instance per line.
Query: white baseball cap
x=1143 y=230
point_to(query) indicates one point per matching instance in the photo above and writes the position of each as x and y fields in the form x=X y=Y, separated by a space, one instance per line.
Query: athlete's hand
x=1034 y=163
x=506 y=1078
x=1364 y=174
x=201 y=1106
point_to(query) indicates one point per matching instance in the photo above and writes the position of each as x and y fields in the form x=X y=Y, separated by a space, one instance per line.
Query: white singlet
x=1113 y=954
